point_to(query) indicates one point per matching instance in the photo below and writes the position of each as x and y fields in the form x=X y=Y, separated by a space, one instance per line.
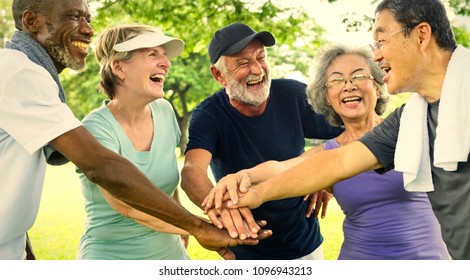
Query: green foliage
x=355 y=21
x=7 y=25
x=195 y=21
x=462 y=36
x=396 y=101
x=82 y=88
x=461 y=7
x=298 y=39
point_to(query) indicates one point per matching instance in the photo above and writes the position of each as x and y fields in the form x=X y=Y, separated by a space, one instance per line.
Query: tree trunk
x=184 y=123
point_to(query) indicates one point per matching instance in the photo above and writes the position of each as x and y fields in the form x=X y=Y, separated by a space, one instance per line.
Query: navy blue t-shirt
x=238 y=142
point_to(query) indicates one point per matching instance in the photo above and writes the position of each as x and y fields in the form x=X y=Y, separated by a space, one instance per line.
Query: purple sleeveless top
x=383 y=221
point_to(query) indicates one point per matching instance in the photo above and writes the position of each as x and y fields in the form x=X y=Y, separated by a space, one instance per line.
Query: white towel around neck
x=412 y=151
x=452 y=143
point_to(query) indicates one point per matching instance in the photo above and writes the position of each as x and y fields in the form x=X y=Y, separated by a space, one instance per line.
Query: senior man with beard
x=251 y=120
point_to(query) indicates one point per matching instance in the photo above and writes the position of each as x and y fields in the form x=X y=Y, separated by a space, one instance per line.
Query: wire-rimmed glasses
x=340 y=83
x=377 y=45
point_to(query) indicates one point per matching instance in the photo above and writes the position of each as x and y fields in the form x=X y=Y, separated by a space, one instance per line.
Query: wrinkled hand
x=238 y=222
x=229 y=187
x=214 y=239
x=318 y=200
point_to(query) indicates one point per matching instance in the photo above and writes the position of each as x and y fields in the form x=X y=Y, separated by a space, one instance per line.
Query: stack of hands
x=229 y=202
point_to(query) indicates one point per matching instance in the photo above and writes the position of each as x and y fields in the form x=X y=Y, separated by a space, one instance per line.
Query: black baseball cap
x=234 y=38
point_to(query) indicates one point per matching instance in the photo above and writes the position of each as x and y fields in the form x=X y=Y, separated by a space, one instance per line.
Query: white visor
x=173 y=46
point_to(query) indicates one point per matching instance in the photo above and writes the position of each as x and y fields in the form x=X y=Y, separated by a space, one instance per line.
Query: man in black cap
x=251 y=120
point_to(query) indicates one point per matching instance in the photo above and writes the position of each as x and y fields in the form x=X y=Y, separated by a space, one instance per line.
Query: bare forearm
x=264 y=171
x=271 y=168
x=319 y=172
x=129 y=185
x=141 y=217
x=160 y=226
x=196 y=184
x=297 y=181
x=122 y=179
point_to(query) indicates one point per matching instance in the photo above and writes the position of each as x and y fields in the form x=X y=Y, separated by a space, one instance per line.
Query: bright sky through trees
x=331 y=15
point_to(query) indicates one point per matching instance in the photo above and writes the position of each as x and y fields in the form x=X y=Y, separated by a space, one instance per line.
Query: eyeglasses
x=378 y=44
x=340 y=83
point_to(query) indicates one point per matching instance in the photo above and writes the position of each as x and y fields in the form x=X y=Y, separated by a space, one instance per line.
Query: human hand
x=214 y=239
x=252 y=199
x=228 y=187
x=238 y=222
x=318 y=200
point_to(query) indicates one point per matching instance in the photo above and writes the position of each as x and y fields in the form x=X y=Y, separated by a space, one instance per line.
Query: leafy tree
x=461 y=7
x=298 y=40
x=355 y=21
x=6 y=21
x=195 y=21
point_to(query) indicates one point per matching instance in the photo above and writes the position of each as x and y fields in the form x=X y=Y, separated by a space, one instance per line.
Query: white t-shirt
x=31 y=115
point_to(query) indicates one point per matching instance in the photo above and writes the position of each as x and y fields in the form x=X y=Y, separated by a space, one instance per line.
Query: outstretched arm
x=120 y=177
x=242 y=180
x=125 y=182
x=141 y=217
x=317 y=172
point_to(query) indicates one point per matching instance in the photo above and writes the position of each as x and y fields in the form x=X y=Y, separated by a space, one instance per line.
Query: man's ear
x=218 y=75
x=32 y=22
x=424 y=34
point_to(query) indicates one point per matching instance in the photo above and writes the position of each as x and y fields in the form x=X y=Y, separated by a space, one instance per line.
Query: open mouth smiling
x=157 y=78
x=81 y=45
x=351 y=99
x=255 y=82
x=385 y=67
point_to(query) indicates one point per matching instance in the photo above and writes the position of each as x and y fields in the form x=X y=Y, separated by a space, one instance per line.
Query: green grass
x=57 y=230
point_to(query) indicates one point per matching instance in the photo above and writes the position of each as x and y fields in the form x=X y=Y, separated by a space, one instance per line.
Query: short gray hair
x=317 y=89
x=220 y=65
x=18 y=7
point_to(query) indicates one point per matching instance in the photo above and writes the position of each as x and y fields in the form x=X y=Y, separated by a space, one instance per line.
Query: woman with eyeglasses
x=382 y=220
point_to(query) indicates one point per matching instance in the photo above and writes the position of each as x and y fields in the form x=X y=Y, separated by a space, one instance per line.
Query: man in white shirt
x=51 y=36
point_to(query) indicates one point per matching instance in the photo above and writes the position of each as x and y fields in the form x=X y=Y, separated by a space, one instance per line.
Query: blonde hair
x=106 y=55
